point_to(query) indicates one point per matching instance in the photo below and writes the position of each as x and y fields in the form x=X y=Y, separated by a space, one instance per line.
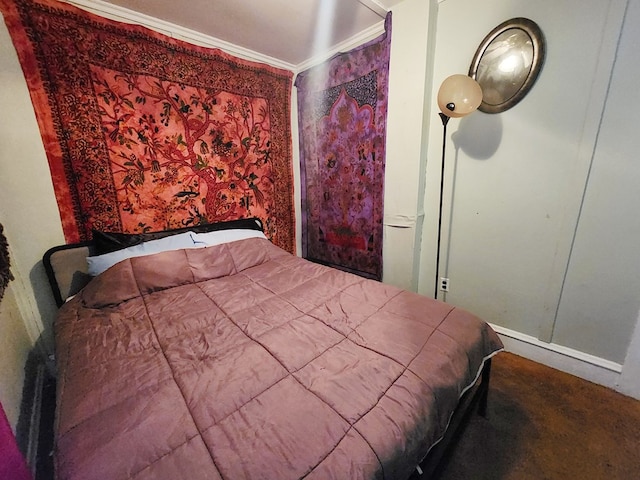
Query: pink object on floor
x=12 y=463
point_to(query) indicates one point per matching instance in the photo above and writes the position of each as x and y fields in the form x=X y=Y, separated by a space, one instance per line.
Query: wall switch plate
x=444 y=284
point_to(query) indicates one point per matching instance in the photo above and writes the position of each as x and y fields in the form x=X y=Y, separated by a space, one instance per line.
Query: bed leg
x=484 y=386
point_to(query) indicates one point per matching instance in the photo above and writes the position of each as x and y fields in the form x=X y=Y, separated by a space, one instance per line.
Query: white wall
x=517 y=234
x=29 y=211
x=600 y=300
x=603 y=277
x=31 y=223
x=14 y=349
x=409 y=82
x=511 y=190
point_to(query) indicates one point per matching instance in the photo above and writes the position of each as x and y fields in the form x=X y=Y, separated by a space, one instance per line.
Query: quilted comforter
x=242 y=361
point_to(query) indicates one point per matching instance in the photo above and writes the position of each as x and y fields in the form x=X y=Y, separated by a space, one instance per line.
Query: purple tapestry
x=342 y=113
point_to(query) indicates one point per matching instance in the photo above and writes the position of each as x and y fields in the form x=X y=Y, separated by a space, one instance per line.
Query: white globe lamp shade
x=459 y=95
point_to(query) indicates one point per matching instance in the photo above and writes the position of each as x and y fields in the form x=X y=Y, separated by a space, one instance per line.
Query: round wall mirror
x=507 y=63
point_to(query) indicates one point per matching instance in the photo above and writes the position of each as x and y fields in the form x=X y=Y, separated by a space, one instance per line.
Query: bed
x=233 y=359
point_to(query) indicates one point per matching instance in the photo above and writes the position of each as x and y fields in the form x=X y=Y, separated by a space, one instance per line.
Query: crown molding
x=114 y=12
x=358 y=39
x=375 y=7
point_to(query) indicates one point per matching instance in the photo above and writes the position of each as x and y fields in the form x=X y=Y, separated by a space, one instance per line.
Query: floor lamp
x=458 y=96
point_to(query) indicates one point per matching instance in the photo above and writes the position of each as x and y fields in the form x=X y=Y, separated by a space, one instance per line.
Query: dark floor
x=39 y=385
x=546 y=424
x=44 y=459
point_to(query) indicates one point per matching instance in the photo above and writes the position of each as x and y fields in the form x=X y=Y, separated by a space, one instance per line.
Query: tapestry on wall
x=342 y=112
x=144 y=132
x=5 y=264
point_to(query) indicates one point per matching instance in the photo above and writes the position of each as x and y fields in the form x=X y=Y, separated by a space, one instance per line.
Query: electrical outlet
x=444 y=284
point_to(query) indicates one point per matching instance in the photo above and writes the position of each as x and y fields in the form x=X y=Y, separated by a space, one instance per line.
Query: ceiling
x=291 y=31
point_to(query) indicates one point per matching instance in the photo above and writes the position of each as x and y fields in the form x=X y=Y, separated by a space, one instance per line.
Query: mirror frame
x=537 y=40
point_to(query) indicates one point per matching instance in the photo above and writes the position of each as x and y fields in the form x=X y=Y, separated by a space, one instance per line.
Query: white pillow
x=224 y=236
x=99 y=263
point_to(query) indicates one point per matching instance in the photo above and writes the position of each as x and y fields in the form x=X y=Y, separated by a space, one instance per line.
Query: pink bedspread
x=243 y=361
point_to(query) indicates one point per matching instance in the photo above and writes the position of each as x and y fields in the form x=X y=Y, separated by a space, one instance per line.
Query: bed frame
x=66 y=269
x=66 y=265
x=476 y=397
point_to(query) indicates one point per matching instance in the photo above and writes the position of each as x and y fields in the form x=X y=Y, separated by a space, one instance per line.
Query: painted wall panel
x=601 y=295
x=408 y=80
x=516 y=179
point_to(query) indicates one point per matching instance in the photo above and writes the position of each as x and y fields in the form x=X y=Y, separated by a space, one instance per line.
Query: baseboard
x=30 y=408
x=31 y=454
x=588 y=367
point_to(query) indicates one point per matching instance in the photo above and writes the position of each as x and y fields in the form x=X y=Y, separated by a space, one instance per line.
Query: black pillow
x=106 y=242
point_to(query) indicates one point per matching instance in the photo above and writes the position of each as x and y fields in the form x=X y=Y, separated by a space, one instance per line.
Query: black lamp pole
x=445 y=120
x=460 y=95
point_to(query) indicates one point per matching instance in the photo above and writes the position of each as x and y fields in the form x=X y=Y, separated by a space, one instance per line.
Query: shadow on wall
x=478 y=135
x=46 y=306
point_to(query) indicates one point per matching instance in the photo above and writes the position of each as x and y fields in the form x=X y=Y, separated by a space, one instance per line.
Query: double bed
x=233 y=359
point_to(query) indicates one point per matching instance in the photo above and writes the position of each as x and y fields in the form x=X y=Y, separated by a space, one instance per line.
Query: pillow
x=99 y=263
x=224 y=236
x=106 y=242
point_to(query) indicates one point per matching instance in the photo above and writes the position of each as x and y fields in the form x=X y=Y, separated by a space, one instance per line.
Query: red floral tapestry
x=342 y=112
x=144 y=132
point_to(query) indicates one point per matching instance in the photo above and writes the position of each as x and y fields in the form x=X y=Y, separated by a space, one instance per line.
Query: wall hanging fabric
x=12 y=464
x=342 y=112
x=144 y=132
x=5 y=263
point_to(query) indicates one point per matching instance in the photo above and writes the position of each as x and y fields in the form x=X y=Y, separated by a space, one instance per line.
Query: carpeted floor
x=544 y=424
